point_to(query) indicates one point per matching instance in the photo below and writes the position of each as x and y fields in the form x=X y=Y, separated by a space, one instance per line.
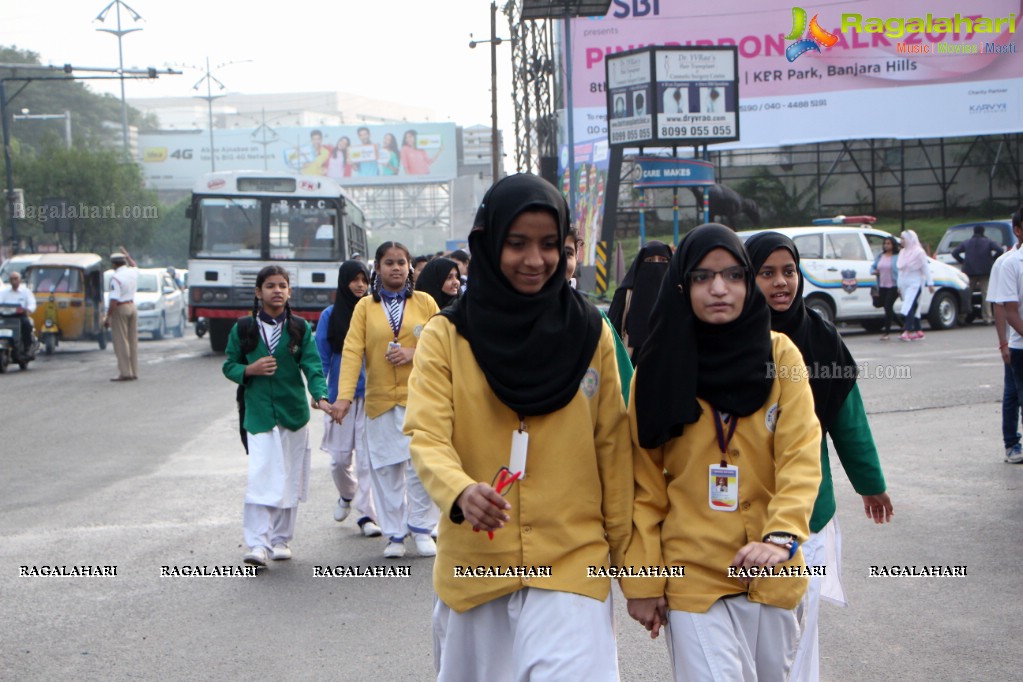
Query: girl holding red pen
x=518 y=428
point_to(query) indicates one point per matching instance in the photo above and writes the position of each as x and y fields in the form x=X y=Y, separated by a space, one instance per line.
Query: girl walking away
x=727 y=469
x=630 y=308
x=914 y=273
x=440 y=278
x=341 y=441
x=886 y=268
x=519 y=432
x=839 y=409
x=268 y=354
x=385 y=329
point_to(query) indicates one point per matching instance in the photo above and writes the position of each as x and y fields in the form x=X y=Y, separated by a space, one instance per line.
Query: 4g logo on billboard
x=159 y=154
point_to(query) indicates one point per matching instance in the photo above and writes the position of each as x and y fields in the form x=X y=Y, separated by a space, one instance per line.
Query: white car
x=159 y=301
x=835 y=263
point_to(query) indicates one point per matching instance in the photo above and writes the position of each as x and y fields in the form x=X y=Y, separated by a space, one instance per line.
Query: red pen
x=504 y=480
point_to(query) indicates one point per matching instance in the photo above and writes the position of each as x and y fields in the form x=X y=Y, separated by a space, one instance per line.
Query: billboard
x=672 y=96
x=384 y=154
x=831 y=71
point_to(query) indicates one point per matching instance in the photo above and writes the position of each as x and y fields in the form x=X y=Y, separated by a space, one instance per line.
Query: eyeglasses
x=732 y=275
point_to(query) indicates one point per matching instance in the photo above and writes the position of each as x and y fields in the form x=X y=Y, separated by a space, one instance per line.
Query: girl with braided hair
x=384 y=331
x=277 y=349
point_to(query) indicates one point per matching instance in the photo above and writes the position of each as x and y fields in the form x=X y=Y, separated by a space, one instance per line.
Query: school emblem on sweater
x=771 y=420
x=417 y=330
x=849 y=281
x=590 y=382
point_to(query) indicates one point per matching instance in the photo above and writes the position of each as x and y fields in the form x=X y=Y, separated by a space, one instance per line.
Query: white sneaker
x=1014 y=455
x=425 y=545
x=256 y=556
x=281 y=552
x=394 y=550
x=342 y=510
x=370 y=529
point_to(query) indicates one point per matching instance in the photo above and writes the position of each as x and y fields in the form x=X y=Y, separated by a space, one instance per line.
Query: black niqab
x=831 y=365
x=726 y=365
x=644 y=280
x=533 y=349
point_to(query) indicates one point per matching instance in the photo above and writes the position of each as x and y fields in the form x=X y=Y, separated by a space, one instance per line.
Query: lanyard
x=724 y=438
x=401 y=316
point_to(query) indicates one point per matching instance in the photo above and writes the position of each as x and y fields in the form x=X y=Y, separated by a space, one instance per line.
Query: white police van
x=835 y=259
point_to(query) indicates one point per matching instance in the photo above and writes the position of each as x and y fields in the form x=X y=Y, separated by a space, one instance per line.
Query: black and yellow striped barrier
x=601 y=268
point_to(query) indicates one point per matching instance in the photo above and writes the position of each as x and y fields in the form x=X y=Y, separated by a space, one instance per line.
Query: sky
x=410 y=51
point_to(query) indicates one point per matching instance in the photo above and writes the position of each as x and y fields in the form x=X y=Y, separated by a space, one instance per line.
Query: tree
x=106 y=197
x=780 y=203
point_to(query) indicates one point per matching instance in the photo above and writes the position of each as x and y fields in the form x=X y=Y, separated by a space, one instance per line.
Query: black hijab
x=832 y=367
x=344 y=302
x=644 y=279
x=533 y=349
x=684 y=358
x=431 y=280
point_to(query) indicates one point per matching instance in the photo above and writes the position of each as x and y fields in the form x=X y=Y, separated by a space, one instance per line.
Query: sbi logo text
x=636 y=8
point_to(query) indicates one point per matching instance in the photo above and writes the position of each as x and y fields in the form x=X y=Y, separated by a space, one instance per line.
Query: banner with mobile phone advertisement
x=379 y=154
x=812 y=73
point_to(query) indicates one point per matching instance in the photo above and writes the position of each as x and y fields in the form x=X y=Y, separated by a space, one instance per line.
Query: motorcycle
x=11 y=347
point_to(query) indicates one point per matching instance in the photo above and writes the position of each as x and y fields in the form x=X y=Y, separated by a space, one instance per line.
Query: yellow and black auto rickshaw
x=69 y=298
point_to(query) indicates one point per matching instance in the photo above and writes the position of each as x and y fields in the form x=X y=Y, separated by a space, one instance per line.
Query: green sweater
x=856 y=450
x=277 y=400
x=625 y=369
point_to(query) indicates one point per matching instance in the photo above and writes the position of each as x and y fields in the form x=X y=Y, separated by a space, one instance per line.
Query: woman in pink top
x=887 y=270
x=415 y=161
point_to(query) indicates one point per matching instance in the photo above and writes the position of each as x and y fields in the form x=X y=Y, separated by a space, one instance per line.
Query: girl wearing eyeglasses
x=727 y=469
x=518 y=378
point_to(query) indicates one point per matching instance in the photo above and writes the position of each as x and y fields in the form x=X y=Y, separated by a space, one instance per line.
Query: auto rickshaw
x=69 y=298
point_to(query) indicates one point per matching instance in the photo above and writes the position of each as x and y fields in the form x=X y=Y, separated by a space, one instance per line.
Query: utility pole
x=120 y=33
x=209 y=97
x=495 y=144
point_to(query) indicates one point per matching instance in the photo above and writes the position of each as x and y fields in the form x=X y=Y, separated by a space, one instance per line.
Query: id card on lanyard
x=519 y=445
x=723 y=478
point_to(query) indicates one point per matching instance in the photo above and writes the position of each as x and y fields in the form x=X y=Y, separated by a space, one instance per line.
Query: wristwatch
x=784 y=541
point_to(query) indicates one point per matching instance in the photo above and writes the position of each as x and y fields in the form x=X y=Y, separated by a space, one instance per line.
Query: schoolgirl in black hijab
x=533 y=349
x=344 y=302
x=431 y=280
x=725 y=364
x=831 y=365
x=634 y=298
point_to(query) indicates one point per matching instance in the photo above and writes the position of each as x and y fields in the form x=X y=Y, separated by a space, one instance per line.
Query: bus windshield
x=294 y=229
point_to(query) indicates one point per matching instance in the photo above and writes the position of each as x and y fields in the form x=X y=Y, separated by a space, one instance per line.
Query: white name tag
x=519 y=444
x=723 y=487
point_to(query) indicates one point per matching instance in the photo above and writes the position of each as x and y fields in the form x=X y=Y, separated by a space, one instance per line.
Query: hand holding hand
x=652 y=612
x=339 y=410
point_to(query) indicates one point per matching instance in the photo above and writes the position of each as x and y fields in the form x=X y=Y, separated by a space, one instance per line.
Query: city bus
x=242 y=221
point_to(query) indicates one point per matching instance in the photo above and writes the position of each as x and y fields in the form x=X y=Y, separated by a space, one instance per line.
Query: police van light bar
x=846 y=220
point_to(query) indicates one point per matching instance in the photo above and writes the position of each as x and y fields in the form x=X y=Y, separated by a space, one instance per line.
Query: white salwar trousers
x=530 y=635
x=736 y=639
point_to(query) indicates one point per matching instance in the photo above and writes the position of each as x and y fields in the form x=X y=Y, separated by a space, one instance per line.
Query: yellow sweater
x=571 y=511
x=779 y=473
x=368 y=335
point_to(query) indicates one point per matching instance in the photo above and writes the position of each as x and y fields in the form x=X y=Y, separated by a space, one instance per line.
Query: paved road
x=150 y=473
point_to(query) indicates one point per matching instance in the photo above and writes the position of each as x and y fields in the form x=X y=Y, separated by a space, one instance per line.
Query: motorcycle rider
x=20 y=296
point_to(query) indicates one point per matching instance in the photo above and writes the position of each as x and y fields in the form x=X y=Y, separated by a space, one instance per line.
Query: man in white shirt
x=1006 y=294
x=122 y=318
x=20 y=296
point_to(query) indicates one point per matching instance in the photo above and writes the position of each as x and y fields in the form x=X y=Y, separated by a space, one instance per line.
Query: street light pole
x=495 y=146
x=120 y=33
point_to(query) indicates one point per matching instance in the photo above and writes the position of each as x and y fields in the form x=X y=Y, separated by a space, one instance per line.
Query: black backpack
x=249 y=341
